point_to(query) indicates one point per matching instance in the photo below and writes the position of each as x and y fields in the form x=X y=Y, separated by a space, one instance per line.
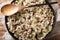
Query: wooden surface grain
x=2 y=27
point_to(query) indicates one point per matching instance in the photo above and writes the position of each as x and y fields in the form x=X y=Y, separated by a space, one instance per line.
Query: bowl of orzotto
x=33 y=23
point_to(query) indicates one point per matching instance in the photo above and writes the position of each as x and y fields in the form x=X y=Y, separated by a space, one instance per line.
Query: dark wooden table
x=2 y=29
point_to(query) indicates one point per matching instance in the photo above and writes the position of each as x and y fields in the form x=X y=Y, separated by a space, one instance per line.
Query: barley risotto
x=32 y=23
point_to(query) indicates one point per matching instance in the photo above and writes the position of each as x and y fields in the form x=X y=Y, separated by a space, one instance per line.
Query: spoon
x=11 y=9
